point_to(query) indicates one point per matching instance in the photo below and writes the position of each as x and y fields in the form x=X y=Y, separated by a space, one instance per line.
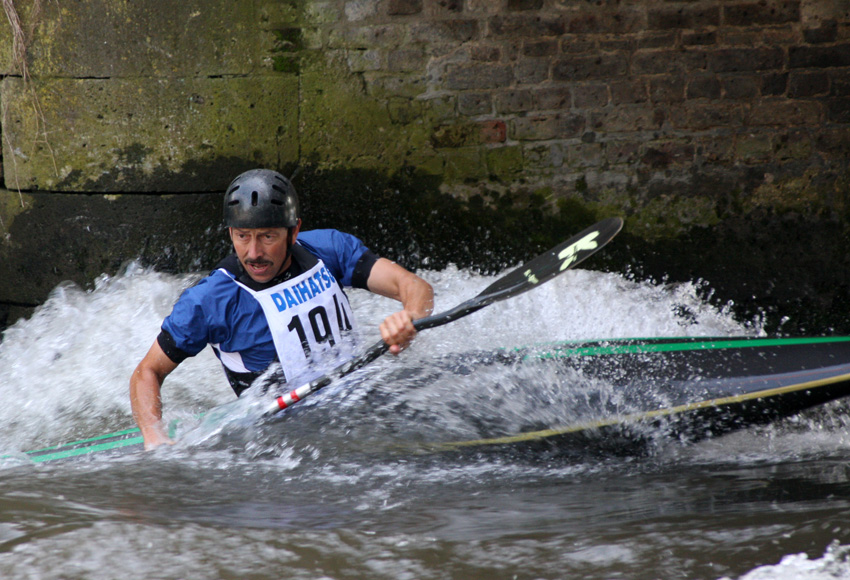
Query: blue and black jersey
x=219 y=312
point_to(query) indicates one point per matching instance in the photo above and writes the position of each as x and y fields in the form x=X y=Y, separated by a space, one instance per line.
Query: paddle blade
x=548 y=265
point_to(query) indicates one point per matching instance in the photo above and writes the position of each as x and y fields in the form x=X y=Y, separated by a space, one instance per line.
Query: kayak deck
x=682 y=388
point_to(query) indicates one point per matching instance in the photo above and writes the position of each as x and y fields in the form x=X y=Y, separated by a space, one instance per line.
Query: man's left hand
x=397 y=331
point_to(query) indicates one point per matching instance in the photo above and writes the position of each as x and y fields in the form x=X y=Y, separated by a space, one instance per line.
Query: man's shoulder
x=219 y=282
x=329 y=243
x=327 y=238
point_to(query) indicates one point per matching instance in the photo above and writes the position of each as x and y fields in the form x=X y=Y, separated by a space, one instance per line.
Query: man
x=277 y=301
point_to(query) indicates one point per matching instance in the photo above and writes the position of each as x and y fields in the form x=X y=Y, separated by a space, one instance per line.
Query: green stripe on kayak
x=64 y=454
x=84 y=441
x=714 y=344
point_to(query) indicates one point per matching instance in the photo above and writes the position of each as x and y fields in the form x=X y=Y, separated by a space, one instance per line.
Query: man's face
x=261 y=251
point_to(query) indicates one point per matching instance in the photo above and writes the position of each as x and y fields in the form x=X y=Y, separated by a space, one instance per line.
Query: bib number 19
x=319 y=326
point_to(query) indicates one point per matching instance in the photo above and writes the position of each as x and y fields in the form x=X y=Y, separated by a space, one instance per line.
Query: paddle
x=530 y=275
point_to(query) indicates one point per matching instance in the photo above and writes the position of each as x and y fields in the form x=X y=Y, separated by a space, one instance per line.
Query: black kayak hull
x=701 y=387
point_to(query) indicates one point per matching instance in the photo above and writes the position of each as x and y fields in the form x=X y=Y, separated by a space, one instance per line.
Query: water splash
x=64 y=372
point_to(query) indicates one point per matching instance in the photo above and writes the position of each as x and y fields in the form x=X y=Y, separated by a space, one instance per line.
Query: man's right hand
x=145 y=387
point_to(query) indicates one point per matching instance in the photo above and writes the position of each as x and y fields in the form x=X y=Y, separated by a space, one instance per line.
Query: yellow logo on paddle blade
x=570 y=253
x=530 y=276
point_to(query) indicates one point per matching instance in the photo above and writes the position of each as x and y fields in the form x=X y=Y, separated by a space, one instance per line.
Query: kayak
x=685 y=389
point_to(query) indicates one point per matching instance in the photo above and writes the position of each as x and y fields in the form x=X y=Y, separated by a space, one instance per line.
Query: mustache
x=259 y=262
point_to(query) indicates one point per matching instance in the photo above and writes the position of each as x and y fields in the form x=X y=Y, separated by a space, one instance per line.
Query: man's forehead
x=258 y=231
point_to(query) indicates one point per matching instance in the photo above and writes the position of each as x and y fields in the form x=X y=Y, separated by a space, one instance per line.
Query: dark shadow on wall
x=791 y=269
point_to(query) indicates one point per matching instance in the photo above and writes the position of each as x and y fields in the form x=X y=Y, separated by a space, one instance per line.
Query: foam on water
x=64 y=371
x=64 y=375
x=835 y=564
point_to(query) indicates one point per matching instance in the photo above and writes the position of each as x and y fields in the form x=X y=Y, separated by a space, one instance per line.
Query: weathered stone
x=584 y=105
x=532 y=70
x=667 y=89
x=703 y=86
x=526 y=26
x=785 y=113
x=793 y=145
x=550 y=126
x=403 y=7
x=465 y=164
x=540 y=47
x=367 y=36
x=667 y=61
x=520 y=5
x=743 y=87
x=479 y=76
x=774 y=84
x=89 y=235
x=406 y=60
x=178 y=39
x=826 y=32
x=699 y=38
x=513 y=101
x=552 y=98
x=442 y=31
x=838 y=110
x=494 y=131
x=606 y=21
x=677 y=17
x=590 y=96
x=628 y=92
x=753 y=148
x=505 y=163
x=750 y=13
x=627 y=119
x=579 y=68
x=655 y=39
x=357 y=10
x=819 y=56
x=457 y=135
x=745 y=59
x=442 y=7
x=585 y=155
x=699 y=116
x=808 y=84
x=94 y=135
x=473 y=104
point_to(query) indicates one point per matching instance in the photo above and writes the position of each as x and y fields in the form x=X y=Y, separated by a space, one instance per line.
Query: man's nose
x=255 y=249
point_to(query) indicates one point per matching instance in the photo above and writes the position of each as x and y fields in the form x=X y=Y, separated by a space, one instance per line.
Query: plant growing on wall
x=20 y=41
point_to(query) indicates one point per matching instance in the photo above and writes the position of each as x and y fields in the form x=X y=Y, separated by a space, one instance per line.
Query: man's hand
x=416 y=297
x=397 y=331
x=155 y=435
x=145 y=387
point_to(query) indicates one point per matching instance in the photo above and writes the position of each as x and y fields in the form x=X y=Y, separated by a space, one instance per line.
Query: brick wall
x=656 y=99
x=693 y=119
x=616 y=102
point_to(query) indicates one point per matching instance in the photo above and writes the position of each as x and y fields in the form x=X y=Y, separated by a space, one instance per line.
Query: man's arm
x=145 y=387
x=415 y=294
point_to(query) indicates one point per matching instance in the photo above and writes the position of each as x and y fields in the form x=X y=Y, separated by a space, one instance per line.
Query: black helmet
x=261 y=198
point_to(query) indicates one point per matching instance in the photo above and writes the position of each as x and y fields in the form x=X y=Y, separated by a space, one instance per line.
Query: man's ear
x=293 y=232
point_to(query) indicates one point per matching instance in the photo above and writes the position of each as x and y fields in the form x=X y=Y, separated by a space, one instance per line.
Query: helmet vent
x=255 y=198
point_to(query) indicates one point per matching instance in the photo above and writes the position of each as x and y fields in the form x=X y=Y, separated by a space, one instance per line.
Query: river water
x=338 y=489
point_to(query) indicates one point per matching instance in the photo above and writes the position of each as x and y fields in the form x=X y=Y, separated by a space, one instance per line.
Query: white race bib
x=306 y=316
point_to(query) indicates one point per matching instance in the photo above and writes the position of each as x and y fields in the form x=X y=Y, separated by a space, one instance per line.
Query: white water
x=64 y=372
x=73 y=358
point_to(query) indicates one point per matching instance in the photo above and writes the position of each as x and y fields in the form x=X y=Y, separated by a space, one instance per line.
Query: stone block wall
x=682 y=116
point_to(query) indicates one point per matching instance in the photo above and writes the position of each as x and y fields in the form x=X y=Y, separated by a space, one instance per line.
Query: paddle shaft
x=530 y=275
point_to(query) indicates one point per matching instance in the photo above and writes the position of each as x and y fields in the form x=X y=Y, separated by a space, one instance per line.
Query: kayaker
x=275 y=303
